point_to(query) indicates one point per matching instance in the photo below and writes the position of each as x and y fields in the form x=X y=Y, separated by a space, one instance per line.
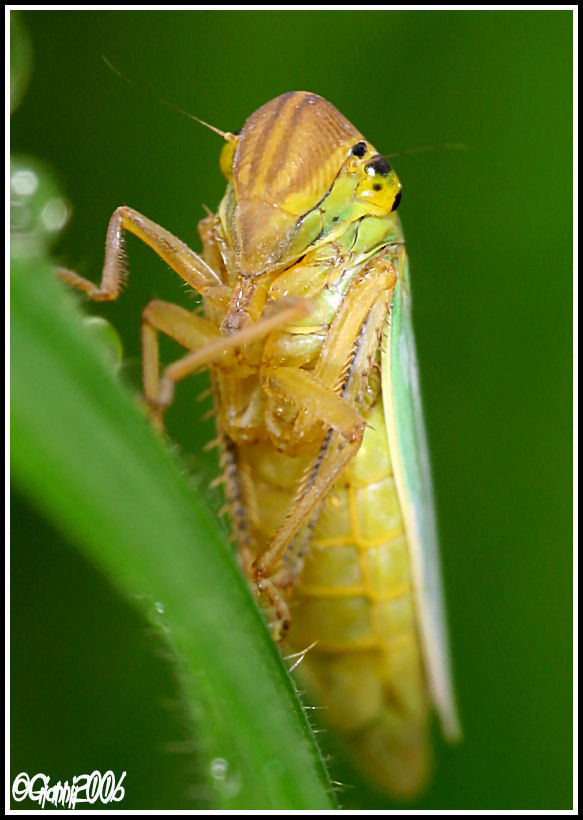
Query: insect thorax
x=323 y=275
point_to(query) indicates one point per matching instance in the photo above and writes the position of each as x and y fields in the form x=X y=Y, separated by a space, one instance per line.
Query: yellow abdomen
x=355 y=601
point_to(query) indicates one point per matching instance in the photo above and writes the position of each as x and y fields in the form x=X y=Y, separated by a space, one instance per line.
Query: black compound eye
x=359 y=150
x=396 y=202
x=378 y=165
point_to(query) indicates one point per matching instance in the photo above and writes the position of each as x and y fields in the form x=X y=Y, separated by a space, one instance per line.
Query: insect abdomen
x=355 y=601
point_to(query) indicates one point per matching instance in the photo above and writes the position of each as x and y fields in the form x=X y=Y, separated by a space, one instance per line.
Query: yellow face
x=379 y=185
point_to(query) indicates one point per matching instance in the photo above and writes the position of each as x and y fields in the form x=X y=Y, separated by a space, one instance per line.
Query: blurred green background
x=489 y=234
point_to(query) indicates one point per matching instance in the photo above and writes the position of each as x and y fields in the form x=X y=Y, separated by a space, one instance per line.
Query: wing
x=412 y=470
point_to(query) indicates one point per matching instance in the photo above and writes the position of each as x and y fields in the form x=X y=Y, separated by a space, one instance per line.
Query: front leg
x=205 y=341
x=185 y=262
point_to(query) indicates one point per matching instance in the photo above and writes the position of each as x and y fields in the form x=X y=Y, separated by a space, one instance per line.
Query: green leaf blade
x=84 y=454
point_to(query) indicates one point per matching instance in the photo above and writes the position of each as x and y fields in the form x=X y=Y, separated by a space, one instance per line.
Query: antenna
x=226 y=135
x=446 y=146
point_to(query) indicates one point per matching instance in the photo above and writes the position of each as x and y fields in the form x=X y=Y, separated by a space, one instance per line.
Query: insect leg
x=218 y=348
x=185 y=262
x=315 y=397
x=184 y=327
x=325 y=468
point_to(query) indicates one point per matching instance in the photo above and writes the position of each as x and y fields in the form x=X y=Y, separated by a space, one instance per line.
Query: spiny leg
x=339 y=446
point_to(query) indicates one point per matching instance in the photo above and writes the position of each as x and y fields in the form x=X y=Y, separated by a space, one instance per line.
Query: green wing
x=412 y=470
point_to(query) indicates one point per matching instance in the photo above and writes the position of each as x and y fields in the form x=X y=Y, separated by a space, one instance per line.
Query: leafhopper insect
x=306 y=330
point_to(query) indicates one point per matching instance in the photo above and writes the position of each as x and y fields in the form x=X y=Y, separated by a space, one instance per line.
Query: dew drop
x=107 y=339
x=55 y=214
x=38 y=210
x=23 y=182
x=226 y=780
x=219 y=768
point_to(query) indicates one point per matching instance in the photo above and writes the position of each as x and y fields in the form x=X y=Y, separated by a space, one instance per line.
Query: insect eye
x=378 y=165
x=396 y=202
x=359 y=150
